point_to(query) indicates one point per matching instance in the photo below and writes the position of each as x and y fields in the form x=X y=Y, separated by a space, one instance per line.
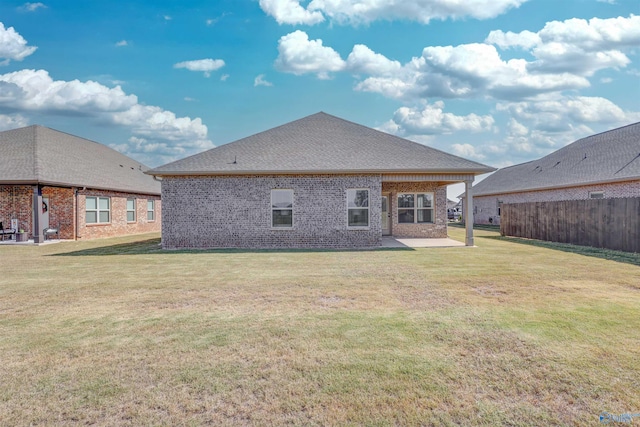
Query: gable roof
x=320 y=143
x=605 y=157
x=39 y=155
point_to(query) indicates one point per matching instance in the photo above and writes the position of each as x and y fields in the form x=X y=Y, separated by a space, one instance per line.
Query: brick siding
x=438 y=229
x=235 y=212
x=486 y=207
x=16 y=203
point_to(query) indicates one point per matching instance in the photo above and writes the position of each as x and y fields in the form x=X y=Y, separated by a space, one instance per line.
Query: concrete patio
x=390 y=242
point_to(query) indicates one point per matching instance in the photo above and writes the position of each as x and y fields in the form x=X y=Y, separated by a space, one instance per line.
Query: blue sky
x=496 y=81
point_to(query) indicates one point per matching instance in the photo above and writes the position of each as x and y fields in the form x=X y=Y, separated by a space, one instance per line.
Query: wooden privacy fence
x=601 y=223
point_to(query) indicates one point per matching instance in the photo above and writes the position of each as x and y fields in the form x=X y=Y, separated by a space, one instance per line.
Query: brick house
x=605 y=165
x=84 y=189
x=317 y=182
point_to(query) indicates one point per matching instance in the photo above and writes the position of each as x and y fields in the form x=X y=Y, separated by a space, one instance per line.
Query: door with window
x=386 y=216
x=46 y=207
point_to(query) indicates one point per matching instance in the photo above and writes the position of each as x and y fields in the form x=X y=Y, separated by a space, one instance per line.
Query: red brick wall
x=118 y=225
x=16 y=203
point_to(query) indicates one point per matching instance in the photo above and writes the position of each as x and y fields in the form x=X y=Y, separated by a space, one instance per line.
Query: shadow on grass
x=611 y=255
x=152 y=246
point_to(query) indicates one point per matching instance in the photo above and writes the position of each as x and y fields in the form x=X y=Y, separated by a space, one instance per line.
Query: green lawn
x=119 y=332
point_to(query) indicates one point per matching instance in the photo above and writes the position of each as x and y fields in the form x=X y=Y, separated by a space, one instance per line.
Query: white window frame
x=97 y=210
x=134 y=210
x=151 y=211
x=367 y=208
x=416 y=208
x=273 y=209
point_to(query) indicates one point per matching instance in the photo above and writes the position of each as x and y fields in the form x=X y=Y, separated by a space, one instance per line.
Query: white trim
x=134 y=210
x=153 y=210
x=368 y=208
x=416 y=208
x=97 y=210
x=283 y=227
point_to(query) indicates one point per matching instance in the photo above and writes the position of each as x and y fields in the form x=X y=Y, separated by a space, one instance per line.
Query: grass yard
x=118 y=332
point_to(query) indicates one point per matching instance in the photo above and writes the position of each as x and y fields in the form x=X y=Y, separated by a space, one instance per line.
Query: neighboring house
x=315 y=182
x=84 y=189
x=606 y=165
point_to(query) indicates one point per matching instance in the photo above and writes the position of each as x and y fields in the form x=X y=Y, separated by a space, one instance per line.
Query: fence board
x=601 y=223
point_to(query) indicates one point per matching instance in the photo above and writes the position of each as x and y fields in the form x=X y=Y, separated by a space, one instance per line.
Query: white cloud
x=290 y=12
x=35 y=91
x=260 y=81
x=122 y=43
x=576 y=46
x=174 y=137
x=224 y=77
x=524 y=39
x=364 y=12
x=561 y=113
x=167 y=18
x=206 y=65
x=432 y=120
x=32 y=7
x=468 y=151
x=299 y=55
x=364 y=60
x=13 y=46
x=12 y=121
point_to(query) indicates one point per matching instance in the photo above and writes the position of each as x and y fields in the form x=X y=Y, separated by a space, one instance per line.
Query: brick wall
x=16 y=202
x=118 y=225
x=438 y=229
x=486 y=207
x=235 y=211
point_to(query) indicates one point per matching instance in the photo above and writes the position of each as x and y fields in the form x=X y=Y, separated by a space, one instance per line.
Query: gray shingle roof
x=321 y=143
x=39 y=155
x=605 y=157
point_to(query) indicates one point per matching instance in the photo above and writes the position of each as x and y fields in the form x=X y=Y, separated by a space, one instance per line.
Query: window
x=357 y=208
x=499 y=207
x=151 y=210
x=282 y=208
x=98 y=210
x=415 y=208
x=131 y=210
x=596 y=194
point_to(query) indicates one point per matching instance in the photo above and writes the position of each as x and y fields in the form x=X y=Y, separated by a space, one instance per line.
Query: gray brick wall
x=235 y=212
x=486 y=207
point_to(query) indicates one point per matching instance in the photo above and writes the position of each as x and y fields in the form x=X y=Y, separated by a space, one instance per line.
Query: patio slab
x=390 y=242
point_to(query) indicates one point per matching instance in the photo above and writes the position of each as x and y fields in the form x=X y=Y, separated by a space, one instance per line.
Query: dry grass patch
x=118 y=332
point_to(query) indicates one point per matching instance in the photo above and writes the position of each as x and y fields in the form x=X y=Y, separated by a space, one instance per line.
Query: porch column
x=38 y=236
x=468 y=212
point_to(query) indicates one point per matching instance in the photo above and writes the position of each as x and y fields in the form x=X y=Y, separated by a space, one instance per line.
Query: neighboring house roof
x=602 y=158
x=39 y=155
x=321 y=143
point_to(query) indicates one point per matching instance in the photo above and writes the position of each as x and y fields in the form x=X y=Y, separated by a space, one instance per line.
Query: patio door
x=46 y=207
x=386 y=216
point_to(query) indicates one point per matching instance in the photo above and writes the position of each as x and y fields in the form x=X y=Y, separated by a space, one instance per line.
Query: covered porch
x=414 y=206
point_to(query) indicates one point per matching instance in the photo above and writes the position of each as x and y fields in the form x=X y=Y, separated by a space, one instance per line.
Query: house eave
x=473 y=171
x=68 y=185
x=556 y=187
